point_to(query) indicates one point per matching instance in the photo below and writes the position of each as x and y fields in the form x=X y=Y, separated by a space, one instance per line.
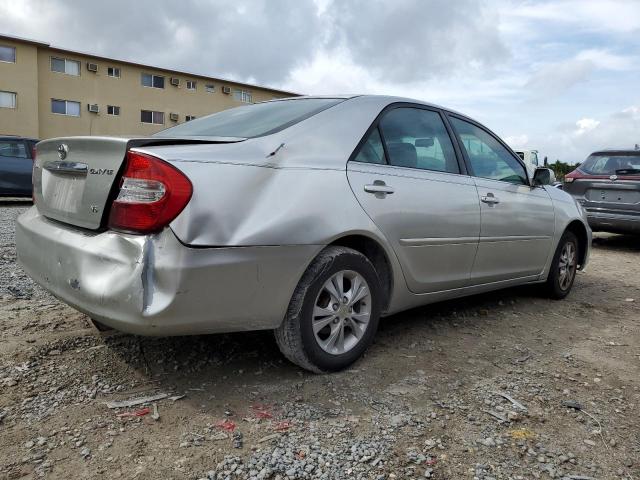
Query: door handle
x=490 y=199
x=379 y=186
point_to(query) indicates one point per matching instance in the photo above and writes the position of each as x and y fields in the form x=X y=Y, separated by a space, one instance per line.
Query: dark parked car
x=607 y=185
x=16 y=163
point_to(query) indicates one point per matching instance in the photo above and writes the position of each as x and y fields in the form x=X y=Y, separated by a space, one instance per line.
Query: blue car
x=16 y=163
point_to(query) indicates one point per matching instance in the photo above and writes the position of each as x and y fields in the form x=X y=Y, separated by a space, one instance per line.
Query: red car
x=607 y=185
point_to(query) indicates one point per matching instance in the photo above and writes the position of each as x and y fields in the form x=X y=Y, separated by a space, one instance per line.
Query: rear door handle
x=490 y=199
x=379 y=186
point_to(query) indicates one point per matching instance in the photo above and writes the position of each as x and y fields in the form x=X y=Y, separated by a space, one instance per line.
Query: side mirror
x=543 y=176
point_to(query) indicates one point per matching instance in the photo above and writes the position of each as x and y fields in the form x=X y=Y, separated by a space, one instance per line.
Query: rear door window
x=372 y=150
x=417 y=138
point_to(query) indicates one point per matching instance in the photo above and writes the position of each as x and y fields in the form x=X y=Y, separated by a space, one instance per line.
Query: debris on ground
x=137 y=413
x=227 y=425
x=136 y=401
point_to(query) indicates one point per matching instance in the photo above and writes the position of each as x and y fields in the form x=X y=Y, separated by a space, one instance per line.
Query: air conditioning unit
x=226 y=90
x=93 y=108
x=175 y=81
x=174 y=117
x=92 y=67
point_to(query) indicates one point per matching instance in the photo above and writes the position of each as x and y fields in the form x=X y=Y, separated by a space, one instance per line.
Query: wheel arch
x=580 y=231
x=373 y=250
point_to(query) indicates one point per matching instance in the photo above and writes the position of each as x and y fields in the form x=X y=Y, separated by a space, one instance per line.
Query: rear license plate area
x=62 y=193
x=608 y=195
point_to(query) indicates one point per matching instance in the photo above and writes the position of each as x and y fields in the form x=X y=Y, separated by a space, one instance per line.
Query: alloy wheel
x=567 y=265
x=341 y=312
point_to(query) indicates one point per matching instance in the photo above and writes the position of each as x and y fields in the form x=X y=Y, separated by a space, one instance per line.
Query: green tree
x=562 y=168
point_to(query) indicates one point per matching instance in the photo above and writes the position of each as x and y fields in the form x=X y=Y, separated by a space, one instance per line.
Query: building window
x=210 y=88
x=7 y=54
x=154 y=81
x=188 y=118
x=113 y=110
x=148 y=116
x=242 y=96
x=63 y=65
x=65 y=107
x=7 y=99
x=191 y=84
x=113 y=72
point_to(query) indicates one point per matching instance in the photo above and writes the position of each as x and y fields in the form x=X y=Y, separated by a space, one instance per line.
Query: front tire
x=334 y=312
x=563 y=268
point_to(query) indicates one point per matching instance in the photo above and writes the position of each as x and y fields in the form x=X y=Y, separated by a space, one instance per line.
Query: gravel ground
x=13 y=280
x=501 y=386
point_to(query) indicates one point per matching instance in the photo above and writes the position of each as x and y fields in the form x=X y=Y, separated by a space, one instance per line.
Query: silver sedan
x=313 y=217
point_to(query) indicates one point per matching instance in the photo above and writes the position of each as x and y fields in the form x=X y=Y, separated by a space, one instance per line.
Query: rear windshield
x=614 y=164
x=252 y=120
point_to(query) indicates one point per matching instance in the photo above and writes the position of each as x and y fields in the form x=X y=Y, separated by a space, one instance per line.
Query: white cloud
x=605 y=59
x=517 y=141
x=612 y=16
x=586 y=125
x=617 y=130
x=555 y=78
x=330 y=73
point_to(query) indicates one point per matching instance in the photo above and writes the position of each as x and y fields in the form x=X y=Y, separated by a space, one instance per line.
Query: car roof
x=16 y=137
x=383 y=99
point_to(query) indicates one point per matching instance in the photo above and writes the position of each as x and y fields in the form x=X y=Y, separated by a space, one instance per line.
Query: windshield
x=252 y=120
x=611 y=164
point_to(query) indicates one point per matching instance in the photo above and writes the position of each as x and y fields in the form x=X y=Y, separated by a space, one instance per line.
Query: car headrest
x=402 y=155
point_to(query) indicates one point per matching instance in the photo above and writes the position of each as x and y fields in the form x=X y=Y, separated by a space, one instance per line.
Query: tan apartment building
x=49 y=92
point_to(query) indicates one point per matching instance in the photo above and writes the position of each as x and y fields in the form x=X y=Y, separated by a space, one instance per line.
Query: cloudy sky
x=560 y=76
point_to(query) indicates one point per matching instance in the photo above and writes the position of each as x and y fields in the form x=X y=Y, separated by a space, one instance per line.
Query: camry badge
x=63 y=150
x=613 y=177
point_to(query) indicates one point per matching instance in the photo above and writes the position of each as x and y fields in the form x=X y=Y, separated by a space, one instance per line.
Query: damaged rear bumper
x=154 y=285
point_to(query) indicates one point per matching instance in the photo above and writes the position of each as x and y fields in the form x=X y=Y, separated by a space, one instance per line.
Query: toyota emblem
x=63 y=150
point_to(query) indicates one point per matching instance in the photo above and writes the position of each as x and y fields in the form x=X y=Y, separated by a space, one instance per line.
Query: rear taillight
x=570 y=177
x=152 y=193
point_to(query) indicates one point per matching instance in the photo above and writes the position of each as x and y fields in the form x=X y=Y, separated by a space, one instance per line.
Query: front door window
x=488 y=157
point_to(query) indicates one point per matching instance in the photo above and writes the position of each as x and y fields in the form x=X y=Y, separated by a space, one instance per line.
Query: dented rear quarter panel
x=283 y=189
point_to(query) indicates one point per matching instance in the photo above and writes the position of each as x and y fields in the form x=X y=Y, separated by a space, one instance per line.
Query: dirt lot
x=424 y=403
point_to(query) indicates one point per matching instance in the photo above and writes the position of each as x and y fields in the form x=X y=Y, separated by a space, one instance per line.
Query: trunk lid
x=75 y=179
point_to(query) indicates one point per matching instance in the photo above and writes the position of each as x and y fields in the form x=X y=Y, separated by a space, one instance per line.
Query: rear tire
x=563 y=268
x=322 y=332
